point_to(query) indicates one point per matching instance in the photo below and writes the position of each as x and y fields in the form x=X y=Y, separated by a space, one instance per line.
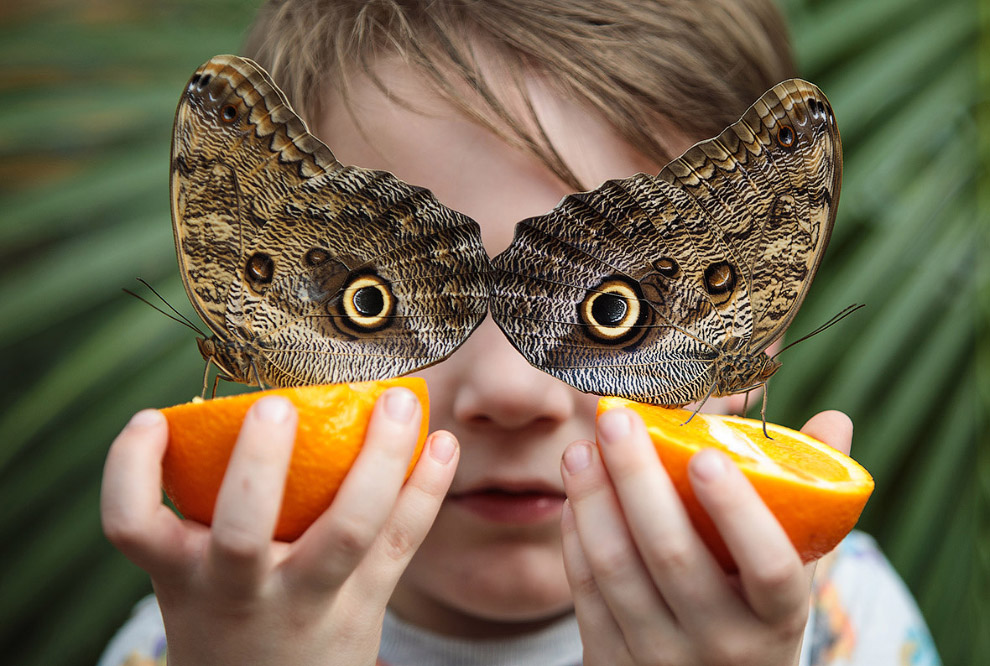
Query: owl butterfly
x=668 y=289
x=305 y=270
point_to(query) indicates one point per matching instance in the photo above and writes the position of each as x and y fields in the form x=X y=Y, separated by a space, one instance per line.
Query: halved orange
x=816 y=492
x=333 y=419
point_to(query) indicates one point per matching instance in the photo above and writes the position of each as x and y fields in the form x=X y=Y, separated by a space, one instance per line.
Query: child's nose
x=498 y=387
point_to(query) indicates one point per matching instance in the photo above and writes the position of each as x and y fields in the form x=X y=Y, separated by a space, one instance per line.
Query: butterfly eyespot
x=720 y=278
x=315 y=257
x=611 y=311
x=228 y=113
x=786 y=136
x=667 y=267
x=259 y=269
x=368 y=303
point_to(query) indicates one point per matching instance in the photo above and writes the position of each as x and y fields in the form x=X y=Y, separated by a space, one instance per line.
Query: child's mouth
x=517 y=507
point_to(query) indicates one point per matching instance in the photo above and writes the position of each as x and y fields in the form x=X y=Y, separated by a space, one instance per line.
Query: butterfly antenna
x=178 y=316
x=848 y=310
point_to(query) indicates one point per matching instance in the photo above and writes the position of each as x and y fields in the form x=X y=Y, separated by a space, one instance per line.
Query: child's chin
x=516 y=597
x=505 y=576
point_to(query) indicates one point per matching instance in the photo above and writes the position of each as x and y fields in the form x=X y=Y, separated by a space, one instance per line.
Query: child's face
x=493 y=555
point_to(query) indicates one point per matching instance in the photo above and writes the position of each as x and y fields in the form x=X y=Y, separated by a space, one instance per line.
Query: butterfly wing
x=637 y=287
x=321 y=272
x=237 y=149
x=400 y=286
x=767 y=188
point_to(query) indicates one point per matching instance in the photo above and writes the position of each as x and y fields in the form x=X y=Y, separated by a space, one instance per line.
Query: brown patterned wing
x=238 y=148
x=646 y=286
x=305 y=270
x=767 y=188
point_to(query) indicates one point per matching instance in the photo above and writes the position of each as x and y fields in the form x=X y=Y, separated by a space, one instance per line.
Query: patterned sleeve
x=862 y=613
x=141 y=641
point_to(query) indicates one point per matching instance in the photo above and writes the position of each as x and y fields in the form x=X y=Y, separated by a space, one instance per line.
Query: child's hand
x=646 y=589
x=228 y=593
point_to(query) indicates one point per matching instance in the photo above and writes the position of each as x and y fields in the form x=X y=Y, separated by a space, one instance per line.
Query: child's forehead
x=401 y=124
x=392 y=90
x=468 y=167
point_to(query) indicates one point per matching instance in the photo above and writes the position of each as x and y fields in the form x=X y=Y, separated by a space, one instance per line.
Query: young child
x=515 y=541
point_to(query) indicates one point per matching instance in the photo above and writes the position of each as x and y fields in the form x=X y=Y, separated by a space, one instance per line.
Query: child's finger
x=773 y=579
x=679 y=563
x=251 y=495
x=134 y=518
x=616 y=565
x=600 y=634
x=413 y=515
x=329 y=551
x=832 y=427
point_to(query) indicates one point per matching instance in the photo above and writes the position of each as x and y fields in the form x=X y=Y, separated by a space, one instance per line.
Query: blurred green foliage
x=87 y=93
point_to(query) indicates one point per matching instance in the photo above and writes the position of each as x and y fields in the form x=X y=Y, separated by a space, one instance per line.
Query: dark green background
x=87 y=94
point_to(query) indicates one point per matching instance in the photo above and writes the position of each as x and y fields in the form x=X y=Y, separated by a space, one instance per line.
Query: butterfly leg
x=701 y=404
x=763 y=411
x=206 y=378
x=257 y=377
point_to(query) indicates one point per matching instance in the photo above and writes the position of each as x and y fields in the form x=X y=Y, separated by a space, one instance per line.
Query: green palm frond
x=902 y=77
x=88 y=92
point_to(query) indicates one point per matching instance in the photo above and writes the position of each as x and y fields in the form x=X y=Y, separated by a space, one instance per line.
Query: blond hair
x=648 y=66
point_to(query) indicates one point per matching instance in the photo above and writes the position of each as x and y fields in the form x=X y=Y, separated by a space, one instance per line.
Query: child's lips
x=516 y=506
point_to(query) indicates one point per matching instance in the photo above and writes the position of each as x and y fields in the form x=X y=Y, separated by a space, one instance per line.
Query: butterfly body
x=738 y=372
x=306 y=270
x=237 y=362
x=668 y=289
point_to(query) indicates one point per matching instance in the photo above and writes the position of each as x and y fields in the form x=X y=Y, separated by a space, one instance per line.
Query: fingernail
x=613 y=426
x=146 y=418
x=400 y=404
x=577 y=457
x=273 y=409
x=708 y=465
x=442 y=448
